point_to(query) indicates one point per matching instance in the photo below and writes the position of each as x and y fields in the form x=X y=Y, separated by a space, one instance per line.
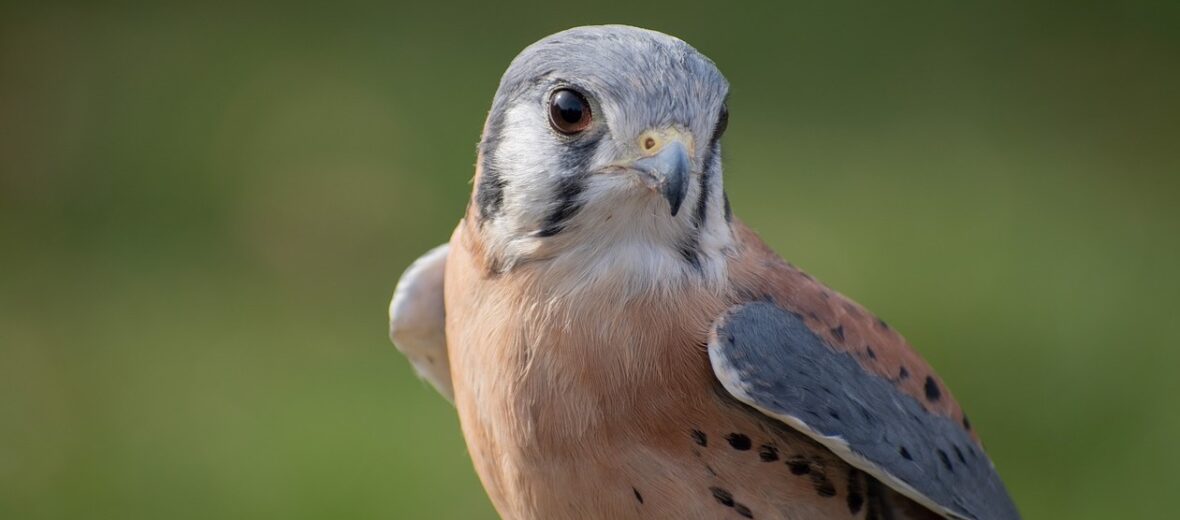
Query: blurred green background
x=204 y=210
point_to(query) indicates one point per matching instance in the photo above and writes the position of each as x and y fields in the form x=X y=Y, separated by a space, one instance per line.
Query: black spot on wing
x=700 y=438
x=932 y=391
x=784 y=368
x=946 y=461
x=838 y=333
x=638 y=496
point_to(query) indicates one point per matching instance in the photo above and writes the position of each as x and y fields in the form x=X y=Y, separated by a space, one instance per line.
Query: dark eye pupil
x=569 y=107
x=569 y=111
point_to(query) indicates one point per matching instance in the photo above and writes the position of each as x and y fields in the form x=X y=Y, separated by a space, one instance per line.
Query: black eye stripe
x=690 y=248
x=722 y=124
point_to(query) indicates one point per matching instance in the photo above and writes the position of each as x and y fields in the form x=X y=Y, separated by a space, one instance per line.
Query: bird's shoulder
x=760 y=274
x=806 y=356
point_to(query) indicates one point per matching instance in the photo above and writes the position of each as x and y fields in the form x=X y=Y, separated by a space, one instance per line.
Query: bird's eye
x=569 y=113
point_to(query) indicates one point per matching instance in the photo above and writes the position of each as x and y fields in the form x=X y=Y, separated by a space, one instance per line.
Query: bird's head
x=603 y=144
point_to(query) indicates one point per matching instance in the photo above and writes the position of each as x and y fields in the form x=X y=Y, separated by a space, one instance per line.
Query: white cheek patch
x=524 y=160
x=716 y=234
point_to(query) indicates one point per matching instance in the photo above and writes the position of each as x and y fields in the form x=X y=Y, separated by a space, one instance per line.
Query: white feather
x=417 y=323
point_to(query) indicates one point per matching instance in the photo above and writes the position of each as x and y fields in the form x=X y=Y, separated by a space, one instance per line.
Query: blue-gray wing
x=768 y=358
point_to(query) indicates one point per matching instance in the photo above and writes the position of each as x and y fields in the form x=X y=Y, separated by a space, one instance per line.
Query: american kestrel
x=619 y=345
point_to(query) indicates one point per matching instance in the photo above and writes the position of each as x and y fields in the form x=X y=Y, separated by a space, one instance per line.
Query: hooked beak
x=666 y=166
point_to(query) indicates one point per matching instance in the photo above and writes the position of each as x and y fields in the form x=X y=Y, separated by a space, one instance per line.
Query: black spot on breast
x=959 y=454
x=946 y=461
x=856 y=499
x=823 y=486
x=905 y=454
x=723 y=497
x=700 y=438
x=966 y=423
x=799 y=465
x=838 y=333
x=866 y=414
x=869 y=351
x=875 y=499
x=881 y=323
x=903 y=374
x=739 y=441
x=767 y=453
x=932 y=391
x=638 y=496
x=743 y=510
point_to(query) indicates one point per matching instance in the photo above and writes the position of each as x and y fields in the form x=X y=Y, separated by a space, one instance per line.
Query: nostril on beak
x=666 y=167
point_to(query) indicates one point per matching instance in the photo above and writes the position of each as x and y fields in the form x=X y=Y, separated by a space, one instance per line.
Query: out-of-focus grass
x=203 y=211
